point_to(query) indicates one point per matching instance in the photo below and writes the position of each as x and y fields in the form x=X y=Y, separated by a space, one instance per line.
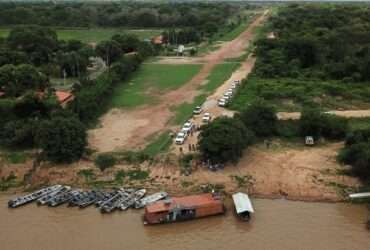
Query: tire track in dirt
x=130 y=128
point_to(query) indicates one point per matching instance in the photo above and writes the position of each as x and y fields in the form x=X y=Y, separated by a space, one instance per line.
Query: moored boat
x=45 y=199
x=183 y=208
x=243 y=206
x=19 y=201
x=63 y=197
x=130 y=201
x=150 y=199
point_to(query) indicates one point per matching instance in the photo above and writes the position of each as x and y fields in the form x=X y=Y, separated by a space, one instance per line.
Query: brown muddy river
x=277 y=224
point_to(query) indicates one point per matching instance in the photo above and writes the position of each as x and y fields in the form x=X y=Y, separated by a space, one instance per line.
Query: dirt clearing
x=299 y=173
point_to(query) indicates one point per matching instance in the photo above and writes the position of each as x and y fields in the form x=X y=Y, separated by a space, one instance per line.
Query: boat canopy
x=242 y=203
x=360 y=195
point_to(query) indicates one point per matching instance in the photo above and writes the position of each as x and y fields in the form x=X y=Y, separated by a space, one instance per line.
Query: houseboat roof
x=186 y=201
x=242 y=203
x=360 y=195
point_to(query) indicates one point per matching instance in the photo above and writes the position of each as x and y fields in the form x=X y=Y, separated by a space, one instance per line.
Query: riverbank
x=286 y=170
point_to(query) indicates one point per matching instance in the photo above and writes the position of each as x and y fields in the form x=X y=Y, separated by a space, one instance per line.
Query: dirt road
x=129 y=129
x=343 y=113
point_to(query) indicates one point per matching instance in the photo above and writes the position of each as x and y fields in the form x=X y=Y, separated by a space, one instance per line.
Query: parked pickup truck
x=222 y=102
x=180 y=138
x=198 y=110
x=188 y=126
x=206 y=118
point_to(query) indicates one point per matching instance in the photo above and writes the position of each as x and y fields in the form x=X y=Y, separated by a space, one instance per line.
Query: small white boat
x=243 y=205
x=150 y=199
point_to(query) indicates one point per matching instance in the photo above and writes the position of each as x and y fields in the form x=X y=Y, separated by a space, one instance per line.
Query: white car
x=226 y=97
x=229 y=93
x=206 y=117
x=197 y=110
x=233 y=86
x=222 y=102
x=187 y=127
x=180 y=138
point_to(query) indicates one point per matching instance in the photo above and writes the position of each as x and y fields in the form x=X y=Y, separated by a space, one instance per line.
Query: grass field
x=94 y=34
x=150 y=81
x=292 y=94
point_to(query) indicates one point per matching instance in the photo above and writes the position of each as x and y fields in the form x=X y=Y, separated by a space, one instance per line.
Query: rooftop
x=242 y=203
x=63 y=96
x=186 y=201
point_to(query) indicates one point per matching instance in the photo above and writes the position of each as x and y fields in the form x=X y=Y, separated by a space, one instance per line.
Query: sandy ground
x=129 y=129
x=301 y=173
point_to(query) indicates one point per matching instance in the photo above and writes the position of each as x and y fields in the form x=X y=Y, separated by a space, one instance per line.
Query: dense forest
x=127 y=14
x=317 y=41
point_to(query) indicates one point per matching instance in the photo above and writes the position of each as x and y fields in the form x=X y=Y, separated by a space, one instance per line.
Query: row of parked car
x=189 y=126
x=226 y=98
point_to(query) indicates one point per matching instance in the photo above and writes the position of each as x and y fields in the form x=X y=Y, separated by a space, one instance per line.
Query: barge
x=183 y=208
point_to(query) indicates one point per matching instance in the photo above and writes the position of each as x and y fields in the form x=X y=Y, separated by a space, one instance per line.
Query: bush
x=316 y=124
x=358 y=156
x=62 y=138
x=311 y=122
x=104 y=161
x=224 y=140
x=260 y=118
x=334 y=127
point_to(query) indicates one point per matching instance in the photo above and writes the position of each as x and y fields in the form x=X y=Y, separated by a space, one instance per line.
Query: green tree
x=261 y=118
x=62 y=138
x=311 y=122
x=110 y=51
x=224 y=140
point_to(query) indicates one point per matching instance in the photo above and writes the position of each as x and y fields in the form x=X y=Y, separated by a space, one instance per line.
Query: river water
x=277 y=224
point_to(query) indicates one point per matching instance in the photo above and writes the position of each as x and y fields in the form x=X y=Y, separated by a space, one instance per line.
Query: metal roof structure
x=242 y=203
x=360 y=195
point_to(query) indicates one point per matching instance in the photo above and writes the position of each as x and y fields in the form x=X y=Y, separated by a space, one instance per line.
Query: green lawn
x=150 y=81
x=94 y=34
x=288 y=94
x=219 y=75
x=160 y=143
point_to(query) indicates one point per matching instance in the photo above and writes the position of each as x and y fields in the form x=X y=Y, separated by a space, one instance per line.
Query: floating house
x=243 y=205
x=183 y=208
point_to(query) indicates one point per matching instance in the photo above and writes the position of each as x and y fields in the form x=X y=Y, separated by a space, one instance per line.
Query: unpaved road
x=342 y=113
x=130 y=129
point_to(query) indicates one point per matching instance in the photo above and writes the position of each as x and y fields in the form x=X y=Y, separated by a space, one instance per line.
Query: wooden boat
x=63 y=197
x=243 y=206
x=150 y=199
x=183 y=208
x=136 y=196
x=111 y=204
x=92 y=197
x=19 y=201
x=45 y=199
